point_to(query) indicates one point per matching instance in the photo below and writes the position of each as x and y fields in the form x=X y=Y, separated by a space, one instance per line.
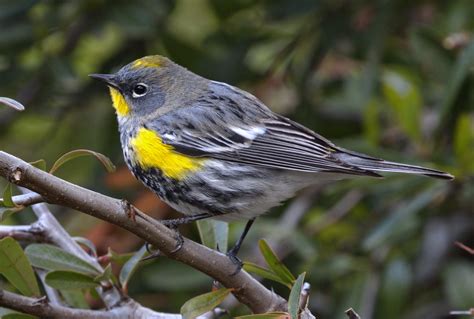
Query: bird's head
x=142 y=87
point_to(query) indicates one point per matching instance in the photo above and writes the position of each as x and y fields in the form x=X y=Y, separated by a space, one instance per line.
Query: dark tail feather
x=374 y=164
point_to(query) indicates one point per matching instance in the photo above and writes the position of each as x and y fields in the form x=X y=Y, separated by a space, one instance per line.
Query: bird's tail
x=379 y=165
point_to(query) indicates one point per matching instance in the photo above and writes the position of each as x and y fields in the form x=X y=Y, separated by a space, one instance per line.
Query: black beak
x=109 y=79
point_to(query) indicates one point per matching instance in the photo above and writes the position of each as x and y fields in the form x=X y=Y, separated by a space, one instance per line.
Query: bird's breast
x=146 y=149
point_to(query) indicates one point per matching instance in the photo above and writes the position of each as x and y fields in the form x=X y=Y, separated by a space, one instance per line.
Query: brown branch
x=44 y=309
x=57 y=191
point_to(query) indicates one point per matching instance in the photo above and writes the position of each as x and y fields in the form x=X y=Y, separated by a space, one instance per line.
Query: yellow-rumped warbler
x=209 y=149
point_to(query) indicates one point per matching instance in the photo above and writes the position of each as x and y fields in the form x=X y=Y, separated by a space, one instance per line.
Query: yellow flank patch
x=119 y=102
x=152 y=61
x=151 y=152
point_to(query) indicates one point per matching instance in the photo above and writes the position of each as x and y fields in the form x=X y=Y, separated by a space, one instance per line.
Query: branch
x=57 y=191
x=44 y=309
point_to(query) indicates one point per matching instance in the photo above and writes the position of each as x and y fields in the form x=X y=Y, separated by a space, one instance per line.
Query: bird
x=212 y=150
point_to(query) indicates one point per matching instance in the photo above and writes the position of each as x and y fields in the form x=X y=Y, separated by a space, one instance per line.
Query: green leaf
x=464 y=142
x=106 y=275
x=14 y=104
x=6 y=212
x=294 y=299
x=16 y=268
x=119 y=259
x=109 y=166
x=372 y=122
x=213 y=233
x=67 y=280
x=275 y=264
x=12 y=314
x=203 y=303
x=404 y=97
x=268 y=315
x=7 y=200
x=53 y=258
x=75 y=298
x=131 y=266
x=263 y=272
x=41 y=164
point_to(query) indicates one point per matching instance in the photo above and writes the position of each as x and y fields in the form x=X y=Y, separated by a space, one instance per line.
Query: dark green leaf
x=294 y=299
x=53 y=258
x=213 y=233
x=16 y=268
x=394 y=292
x=264 y=273
x=75 y=298
x=7 y=212
x=66 y=280
x=106 y=275
x=109 y=166
x=459 y=284
x=12 y=314
x=203 y=303
x=131 y=266
x=268 y=315
x=464 y=142
x=275 y=264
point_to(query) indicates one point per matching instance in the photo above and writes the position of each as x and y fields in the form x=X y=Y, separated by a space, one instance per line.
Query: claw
x=153 y=254
x=179 y=242
x=235 y=260
x=129 y=209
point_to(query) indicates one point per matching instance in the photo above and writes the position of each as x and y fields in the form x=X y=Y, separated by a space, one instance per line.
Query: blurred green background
x=394 y=79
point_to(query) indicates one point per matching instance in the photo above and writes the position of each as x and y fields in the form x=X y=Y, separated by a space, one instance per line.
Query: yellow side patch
x=151 y=152
x=152 y=61
x=119 y=102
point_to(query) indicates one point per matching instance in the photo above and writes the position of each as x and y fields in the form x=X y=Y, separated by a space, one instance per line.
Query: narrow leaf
x=213 y=233
x=12 y=103
x=16 y=268
x=106 y=275
x=7 y=200
x=109 y=166
x=69 y=280
x=53 y=258
x=268 y=315
x=263 y=272
x=41 y=164
x=275 y=264
x=203 y=303
x=131 y=266
x=294 y=299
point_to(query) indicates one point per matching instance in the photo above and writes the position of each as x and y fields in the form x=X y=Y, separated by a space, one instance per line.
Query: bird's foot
x=173 y=225
x=129 y=209
x=232 y=254
x=154 y=253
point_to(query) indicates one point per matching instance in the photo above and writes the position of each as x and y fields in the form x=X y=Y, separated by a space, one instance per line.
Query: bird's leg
x=174 y=223
x=153 y=254
x=232 y=253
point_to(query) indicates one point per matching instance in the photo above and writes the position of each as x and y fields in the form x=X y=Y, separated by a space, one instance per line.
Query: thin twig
x=352 y=314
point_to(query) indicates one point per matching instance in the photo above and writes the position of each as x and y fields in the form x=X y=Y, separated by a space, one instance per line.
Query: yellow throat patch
x=151 y=152
x=119 y=102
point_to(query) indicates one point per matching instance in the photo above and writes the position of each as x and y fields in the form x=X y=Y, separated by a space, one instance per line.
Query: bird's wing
x=228 y=128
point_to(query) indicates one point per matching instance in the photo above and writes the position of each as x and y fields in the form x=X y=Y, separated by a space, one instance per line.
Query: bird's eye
x=139 y=90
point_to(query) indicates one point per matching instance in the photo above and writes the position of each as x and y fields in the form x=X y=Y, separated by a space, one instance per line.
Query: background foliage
x=394 y=79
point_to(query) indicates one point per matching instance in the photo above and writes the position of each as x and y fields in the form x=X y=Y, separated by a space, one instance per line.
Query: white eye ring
x=139 y=90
